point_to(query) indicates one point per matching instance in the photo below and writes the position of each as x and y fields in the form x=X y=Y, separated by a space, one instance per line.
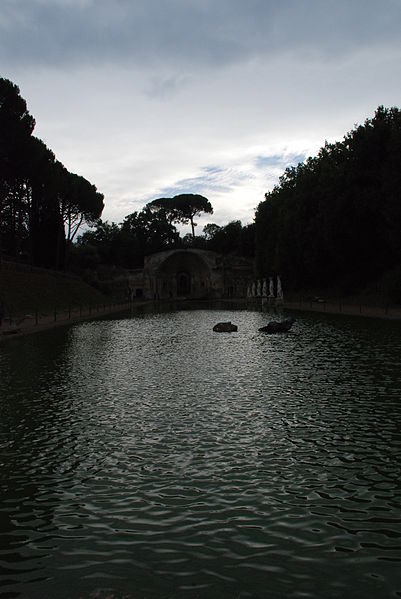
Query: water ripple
x=148 y=456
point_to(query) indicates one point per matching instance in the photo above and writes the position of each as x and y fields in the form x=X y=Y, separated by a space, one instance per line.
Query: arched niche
x=183 y=274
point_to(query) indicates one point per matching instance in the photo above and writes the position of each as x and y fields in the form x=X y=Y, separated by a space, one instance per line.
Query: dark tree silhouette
x=141 y=233
x=183 y=208
x=335 y=220
x=16 y=127
x=42 y=205
x=231 y=238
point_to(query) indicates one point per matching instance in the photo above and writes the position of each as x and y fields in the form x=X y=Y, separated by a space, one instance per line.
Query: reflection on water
x=149 y=457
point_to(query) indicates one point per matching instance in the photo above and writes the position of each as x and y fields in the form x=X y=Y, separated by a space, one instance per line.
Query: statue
x=280 y=296
x=264 y=288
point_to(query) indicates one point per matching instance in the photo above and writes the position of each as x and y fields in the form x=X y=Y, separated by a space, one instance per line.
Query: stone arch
x=183 y=274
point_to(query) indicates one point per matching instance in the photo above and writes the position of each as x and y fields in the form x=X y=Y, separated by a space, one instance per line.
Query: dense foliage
x=42 y=204
x=125 y=245
x=145 y=232
x=334 y=221
x=232 y=238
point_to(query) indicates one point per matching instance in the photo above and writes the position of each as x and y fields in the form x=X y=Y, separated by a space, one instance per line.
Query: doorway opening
x=183 y=283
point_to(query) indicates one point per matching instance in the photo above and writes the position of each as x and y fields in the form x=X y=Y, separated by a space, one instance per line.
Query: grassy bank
x=26 y=291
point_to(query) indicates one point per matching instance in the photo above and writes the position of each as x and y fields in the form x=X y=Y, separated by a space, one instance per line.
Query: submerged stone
x=225 y=327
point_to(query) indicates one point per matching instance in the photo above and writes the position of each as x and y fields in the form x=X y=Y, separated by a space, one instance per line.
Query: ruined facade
x=191 y=274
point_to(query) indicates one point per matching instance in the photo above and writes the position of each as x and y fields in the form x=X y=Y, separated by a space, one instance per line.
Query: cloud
x=278 y=161
x=199 y=96
x=210 y=180
x=162 y=87
x=240 y=182
x=185 y=34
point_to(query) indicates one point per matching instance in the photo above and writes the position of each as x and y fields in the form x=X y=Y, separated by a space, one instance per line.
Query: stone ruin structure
x=191 y=274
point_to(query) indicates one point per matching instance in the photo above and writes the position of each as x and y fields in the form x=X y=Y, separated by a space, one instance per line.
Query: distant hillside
x=23 y=291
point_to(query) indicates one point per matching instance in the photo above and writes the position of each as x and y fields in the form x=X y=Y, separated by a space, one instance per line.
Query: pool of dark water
x=148 y=457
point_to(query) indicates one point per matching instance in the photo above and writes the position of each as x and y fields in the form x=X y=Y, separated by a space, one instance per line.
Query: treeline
x=334 y=222
x=112 y=246
x=42 y=204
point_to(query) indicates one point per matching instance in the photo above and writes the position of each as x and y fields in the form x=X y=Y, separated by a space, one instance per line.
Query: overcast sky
x=150 y=98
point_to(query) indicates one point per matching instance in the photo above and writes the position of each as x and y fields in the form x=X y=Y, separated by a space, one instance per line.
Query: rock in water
x=225 y=327
x=278 y=327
